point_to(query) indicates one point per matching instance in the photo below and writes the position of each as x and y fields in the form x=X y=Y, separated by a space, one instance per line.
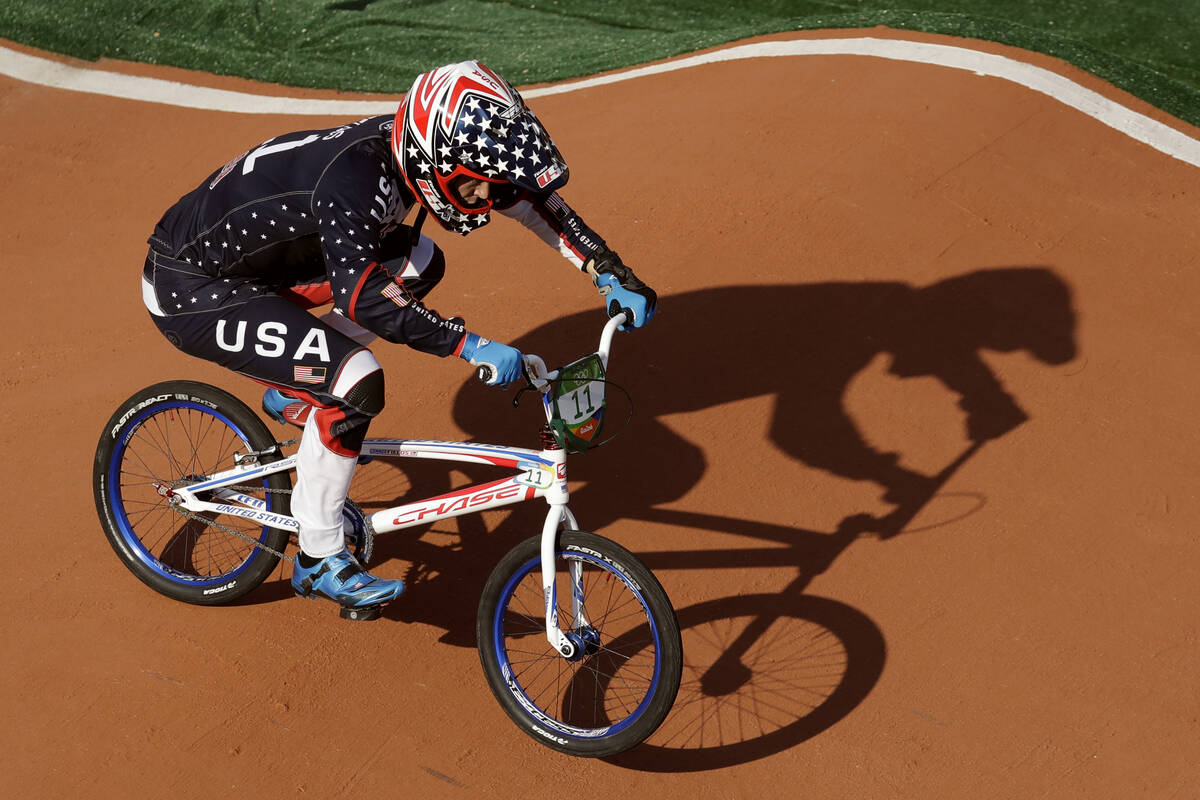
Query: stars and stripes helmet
x=463 y=121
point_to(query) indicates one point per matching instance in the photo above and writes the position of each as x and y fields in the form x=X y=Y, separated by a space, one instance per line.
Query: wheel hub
x=586 y=641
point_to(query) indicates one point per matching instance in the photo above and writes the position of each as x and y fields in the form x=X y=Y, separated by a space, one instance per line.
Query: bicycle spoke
x=602 y=687
x=168 y=448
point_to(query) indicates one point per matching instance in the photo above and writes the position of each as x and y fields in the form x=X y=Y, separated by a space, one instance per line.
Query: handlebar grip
x=485 y=373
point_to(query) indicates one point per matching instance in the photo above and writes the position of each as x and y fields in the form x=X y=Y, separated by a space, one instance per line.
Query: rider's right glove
x=621 y=289
x=503 y=362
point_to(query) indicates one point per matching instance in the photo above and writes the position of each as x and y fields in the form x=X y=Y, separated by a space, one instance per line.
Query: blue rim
x=118 y=502
x=516 y=688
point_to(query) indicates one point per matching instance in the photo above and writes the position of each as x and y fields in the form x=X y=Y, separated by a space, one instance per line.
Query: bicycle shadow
x=802 y=345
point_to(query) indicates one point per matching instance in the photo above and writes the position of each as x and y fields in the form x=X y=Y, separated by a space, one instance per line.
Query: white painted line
x=153 y=90
x=45 y=72
x=1129 y=122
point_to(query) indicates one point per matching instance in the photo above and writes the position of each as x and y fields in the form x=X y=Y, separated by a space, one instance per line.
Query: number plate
x=579 y=403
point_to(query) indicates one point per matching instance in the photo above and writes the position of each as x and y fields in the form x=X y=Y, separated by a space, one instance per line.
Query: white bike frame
x=539 y=473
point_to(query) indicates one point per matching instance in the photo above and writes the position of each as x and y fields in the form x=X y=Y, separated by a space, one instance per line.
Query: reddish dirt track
x=856 y=257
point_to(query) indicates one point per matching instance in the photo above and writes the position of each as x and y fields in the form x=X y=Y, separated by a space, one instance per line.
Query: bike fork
x=559 y=516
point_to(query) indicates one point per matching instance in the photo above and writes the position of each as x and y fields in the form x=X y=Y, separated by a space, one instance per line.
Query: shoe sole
x=357 y=613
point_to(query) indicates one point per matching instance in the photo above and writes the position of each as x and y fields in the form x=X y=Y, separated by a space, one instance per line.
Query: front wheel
x=620 y=684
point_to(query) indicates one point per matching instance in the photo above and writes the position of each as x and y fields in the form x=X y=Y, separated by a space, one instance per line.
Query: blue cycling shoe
x=284 y=409
x=343 y=580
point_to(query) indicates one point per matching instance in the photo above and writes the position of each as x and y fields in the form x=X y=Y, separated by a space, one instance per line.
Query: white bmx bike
x=577 y=638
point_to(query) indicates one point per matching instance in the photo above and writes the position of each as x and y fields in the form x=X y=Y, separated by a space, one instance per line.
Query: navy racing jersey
x=318 y=205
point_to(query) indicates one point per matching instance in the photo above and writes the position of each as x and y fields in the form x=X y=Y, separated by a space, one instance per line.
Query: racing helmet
x=463 y=121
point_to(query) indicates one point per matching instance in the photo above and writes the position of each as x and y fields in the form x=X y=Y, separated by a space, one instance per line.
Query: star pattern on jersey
x=244 y=231
x=251 y=241
x=345 y=239
x=248 y=229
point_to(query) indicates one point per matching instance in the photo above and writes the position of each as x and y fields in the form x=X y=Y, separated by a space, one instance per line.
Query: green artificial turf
x=1147 y=47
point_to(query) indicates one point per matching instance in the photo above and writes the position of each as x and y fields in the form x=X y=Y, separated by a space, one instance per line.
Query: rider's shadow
x=801 y=345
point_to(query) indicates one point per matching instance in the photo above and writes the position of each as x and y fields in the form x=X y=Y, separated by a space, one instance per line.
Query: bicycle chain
x=239 y=534
x=244 y=537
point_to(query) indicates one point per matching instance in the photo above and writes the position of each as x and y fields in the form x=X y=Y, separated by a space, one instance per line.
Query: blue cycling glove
x=621 y=289
x=500 y=364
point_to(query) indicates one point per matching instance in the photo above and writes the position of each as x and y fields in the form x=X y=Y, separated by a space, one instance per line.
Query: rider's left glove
x=502 y=362
x=621 y=289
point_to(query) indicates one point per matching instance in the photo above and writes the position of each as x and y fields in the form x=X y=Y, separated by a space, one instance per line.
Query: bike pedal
x=361 y=613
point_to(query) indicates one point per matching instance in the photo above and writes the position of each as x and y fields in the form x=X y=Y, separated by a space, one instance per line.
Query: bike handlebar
x=534 y=368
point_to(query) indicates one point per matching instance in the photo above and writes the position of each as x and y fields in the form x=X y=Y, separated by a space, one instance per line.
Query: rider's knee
x=360 y=384
x=367 y=395
x=359 y=394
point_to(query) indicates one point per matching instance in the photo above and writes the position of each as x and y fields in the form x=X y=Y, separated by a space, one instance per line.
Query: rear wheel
x=173 y=434
x=619 y=685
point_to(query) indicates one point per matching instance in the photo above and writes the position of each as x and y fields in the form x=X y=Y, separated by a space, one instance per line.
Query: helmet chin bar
x=461 y=173
x=447 y=215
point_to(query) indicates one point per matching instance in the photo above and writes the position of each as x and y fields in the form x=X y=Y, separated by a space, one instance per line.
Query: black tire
x=616 y=693
x=173 y=433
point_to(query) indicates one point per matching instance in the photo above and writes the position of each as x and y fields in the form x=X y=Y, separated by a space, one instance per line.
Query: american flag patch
x=397 y=295
x=308 y=374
